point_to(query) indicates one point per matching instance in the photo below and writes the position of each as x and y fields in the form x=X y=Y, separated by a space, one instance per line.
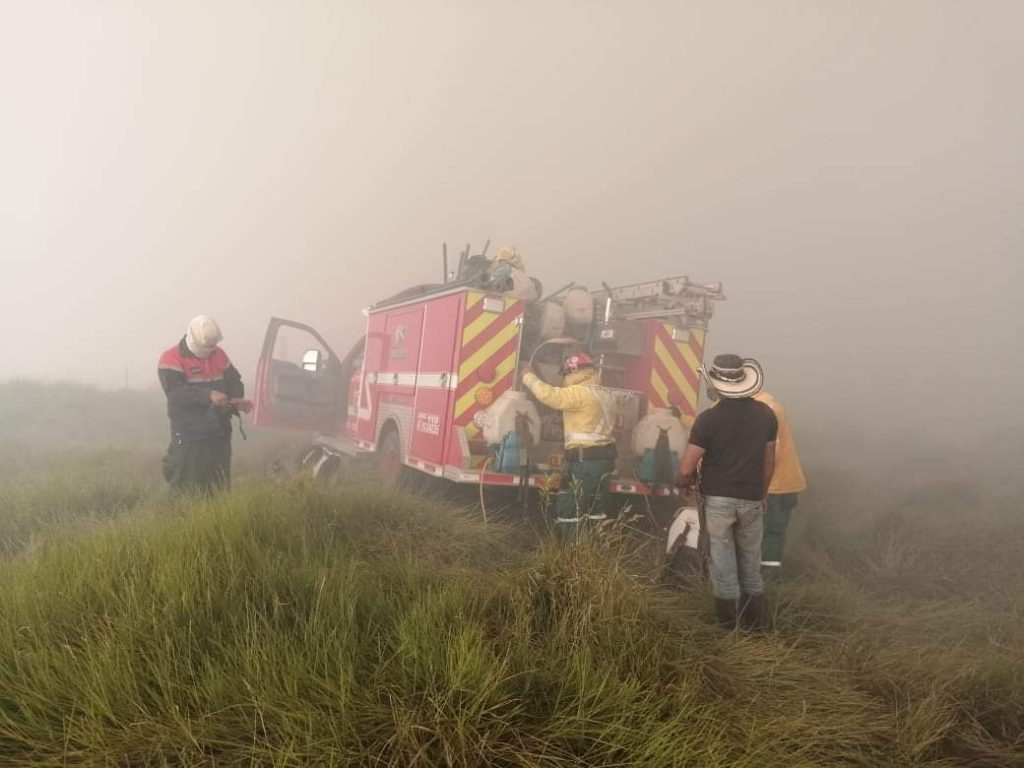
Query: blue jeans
x=735 y=528
x=776 y=520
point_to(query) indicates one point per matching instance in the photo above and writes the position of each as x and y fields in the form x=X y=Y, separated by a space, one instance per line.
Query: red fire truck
x=433 y=386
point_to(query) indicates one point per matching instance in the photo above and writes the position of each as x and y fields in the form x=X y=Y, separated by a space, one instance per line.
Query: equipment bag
x=659 y=465
x=508 y=459
x=682 y=553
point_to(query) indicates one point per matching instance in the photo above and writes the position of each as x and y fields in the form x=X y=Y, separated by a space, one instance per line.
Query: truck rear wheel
x=389 y=458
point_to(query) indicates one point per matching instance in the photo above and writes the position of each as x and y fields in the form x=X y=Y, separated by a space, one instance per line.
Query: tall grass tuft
x=287 y=624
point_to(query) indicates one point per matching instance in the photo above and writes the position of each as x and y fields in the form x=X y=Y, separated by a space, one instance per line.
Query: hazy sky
x=853 y=172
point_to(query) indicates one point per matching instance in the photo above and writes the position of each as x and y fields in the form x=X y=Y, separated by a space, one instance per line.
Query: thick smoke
x=852 y=174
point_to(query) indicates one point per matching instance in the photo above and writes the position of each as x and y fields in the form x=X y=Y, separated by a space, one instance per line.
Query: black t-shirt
x=733 y=435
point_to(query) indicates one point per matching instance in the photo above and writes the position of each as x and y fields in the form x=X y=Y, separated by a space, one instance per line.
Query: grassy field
x=289 y=624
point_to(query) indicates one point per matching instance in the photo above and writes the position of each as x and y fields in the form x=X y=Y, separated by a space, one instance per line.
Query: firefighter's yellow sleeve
x=559 y=398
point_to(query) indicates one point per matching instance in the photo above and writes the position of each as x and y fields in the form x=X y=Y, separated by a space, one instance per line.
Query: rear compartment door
x=436 y=379
x=488 y=355
x=298 y=379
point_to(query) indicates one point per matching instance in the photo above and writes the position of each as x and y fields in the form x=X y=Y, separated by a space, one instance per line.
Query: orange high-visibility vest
x=788 y=477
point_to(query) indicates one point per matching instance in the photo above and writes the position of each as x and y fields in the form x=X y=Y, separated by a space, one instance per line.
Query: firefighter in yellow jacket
x=787 y=483
x=588 y=413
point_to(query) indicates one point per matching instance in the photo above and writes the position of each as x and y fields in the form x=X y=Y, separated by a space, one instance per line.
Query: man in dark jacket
x=735 y=445
x=204 y=390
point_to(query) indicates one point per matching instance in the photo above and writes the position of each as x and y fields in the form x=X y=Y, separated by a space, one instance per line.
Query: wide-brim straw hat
x=734 y=377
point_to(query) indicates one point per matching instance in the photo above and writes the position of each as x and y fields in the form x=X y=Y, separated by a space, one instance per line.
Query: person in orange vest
x=783 y=494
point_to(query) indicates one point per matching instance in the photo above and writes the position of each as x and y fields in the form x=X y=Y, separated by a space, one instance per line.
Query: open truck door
x=298 y=380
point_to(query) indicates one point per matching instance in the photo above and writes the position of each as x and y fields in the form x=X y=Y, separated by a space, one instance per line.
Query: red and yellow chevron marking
x=490 y=347
x=675 y=379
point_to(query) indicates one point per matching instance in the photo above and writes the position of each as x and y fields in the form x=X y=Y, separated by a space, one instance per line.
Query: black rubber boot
x=725 y=613
x=752 y=612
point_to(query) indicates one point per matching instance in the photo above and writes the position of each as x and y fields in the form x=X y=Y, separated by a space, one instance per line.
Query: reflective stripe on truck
x=487 y=360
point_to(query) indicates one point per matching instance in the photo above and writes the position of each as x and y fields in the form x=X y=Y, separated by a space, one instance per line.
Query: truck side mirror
x=312 y=360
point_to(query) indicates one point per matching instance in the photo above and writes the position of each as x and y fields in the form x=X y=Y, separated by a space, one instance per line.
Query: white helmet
x=202 y=336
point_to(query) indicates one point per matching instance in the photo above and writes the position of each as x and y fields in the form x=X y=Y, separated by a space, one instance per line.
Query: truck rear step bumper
x=343 y=446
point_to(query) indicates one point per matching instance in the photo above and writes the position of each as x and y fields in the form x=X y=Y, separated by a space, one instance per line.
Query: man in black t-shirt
x=734 y=442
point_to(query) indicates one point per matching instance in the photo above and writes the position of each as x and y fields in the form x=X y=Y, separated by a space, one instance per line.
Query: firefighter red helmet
x=576 y=362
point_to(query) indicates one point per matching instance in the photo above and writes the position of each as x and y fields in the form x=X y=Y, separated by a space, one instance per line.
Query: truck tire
x=309 y=457
x=326 y=468
x=389 y=458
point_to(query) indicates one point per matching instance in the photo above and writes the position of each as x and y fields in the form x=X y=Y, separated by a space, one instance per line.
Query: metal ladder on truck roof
x=676 y=298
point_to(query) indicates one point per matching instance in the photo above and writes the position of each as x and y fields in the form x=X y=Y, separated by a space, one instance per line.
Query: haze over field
x=852 y=172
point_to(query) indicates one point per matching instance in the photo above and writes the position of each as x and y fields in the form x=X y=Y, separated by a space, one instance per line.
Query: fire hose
x=483 y=471
x=556 y=340
x=703 y=540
